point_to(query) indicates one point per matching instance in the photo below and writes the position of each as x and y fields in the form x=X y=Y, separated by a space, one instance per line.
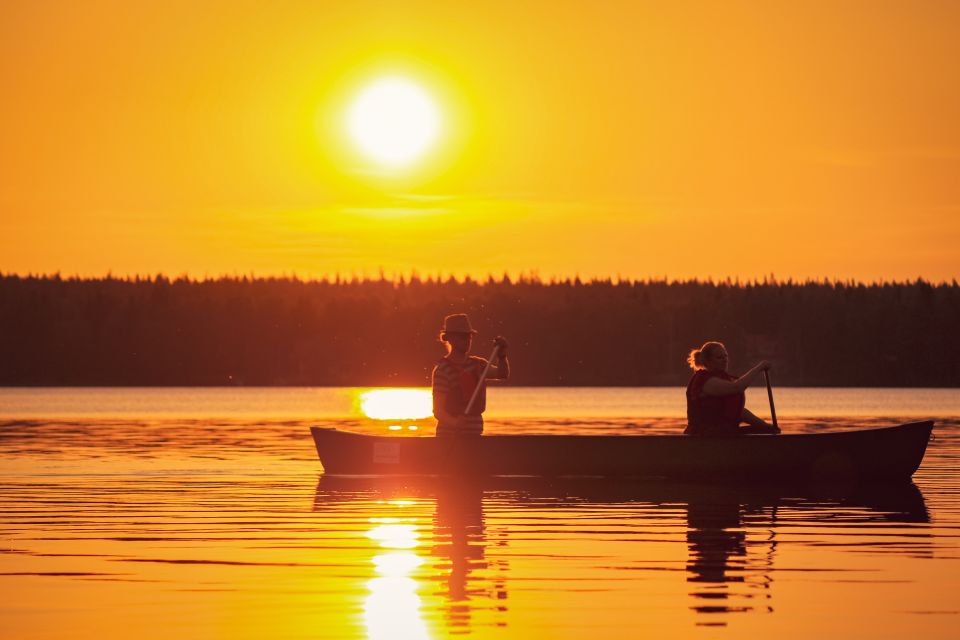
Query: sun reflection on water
x=393 y=607
x=395 y=536
x=397 y=563
x=396 y=404
x=392 y=610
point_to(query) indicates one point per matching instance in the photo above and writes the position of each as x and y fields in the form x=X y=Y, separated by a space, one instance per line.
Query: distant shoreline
x=415 y=277
x=427 y=386
x=285 y=332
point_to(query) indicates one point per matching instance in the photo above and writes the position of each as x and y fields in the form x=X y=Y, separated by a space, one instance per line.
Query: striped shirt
x=455 y=382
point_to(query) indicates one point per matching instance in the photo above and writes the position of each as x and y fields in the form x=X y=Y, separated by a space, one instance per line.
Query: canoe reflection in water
x=732 y=536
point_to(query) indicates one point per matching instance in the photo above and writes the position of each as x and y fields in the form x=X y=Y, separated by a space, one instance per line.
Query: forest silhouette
x=381 y=332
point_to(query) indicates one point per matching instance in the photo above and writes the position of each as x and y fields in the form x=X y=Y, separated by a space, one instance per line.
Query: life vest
x=712 y=415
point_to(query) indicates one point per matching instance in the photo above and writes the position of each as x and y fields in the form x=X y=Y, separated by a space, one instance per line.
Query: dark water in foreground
x=155 y=524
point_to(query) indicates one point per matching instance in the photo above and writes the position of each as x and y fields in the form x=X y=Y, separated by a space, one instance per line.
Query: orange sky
x=811 y=139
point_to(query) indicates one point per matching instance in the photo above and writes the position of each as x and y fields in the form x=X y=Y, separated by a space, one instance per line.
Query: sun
x=394 y=121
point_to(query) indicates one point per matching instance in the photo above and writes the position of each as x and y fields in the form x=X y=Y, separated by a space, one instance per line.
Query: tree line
x=382 y=332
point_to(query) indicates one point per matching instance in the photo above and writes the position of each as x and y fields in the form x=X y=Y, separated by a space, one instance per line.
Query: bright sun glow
x=394 y=121
x=393 y=404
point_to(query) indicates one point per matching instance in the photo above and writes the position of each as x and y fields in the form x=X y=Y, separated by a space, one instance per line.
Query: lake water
x=203 y=513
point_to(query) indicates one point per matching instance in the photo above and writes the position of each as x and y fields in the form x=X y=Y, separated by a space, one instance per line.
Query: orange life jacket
x=712 y=415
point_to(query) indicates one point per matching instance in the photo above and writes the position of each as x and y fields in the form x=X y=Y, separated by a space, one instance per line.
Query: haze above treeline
x=383 y=332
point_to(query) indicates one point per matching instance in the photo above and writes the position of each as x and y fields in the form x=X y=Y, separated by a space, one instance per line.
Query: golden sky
x=633 y=139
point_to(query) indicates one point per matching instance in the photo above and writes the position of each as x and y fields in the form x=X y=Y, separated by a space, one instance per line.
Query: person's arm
x=754 y=421
x=501 y=369
x=717 y=387
x=760 y=424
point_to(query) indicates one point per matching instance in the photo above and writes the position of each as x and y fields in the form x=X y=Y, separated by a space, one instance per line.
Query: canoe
x=887 y=453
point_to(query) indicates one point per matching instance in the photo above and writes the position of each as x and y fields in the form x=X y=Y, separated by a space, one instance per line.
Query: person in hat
x=455 y=377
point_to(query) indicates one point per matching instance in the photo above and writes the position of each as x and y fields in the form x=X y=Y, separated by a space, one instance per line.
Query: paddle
x=773 y=410
x=483 y=377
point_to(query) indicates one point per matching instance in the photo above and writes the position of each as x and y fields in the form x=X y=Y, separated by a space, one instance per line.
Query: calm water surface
x=203 y=513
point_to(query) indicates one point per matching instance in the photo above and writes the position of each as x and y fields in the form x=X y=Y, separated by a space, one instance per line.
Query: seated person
x=456 y=377
x=716 y=400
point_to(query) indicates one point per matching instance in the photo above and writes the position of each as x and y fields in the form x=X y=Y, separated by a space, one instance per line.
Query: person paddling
x=716 y=399
x=456 y=376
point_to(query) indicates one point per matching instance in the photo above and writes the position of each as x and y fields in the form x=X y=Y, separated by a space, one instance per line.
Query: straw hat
x=457 y=323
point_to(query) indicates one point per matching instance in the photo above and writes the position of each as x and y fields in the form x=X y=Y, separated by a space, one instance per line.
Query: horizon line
x=531 y=277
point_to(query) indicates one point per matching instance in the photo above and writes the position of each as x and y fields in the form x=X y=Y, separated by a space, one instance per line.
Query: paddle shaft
x=483 y=377
x=773 y=410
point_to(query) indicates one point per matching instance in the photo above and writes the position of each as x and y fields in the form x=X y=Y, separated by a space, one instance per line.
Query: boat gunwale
x=913 y=425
